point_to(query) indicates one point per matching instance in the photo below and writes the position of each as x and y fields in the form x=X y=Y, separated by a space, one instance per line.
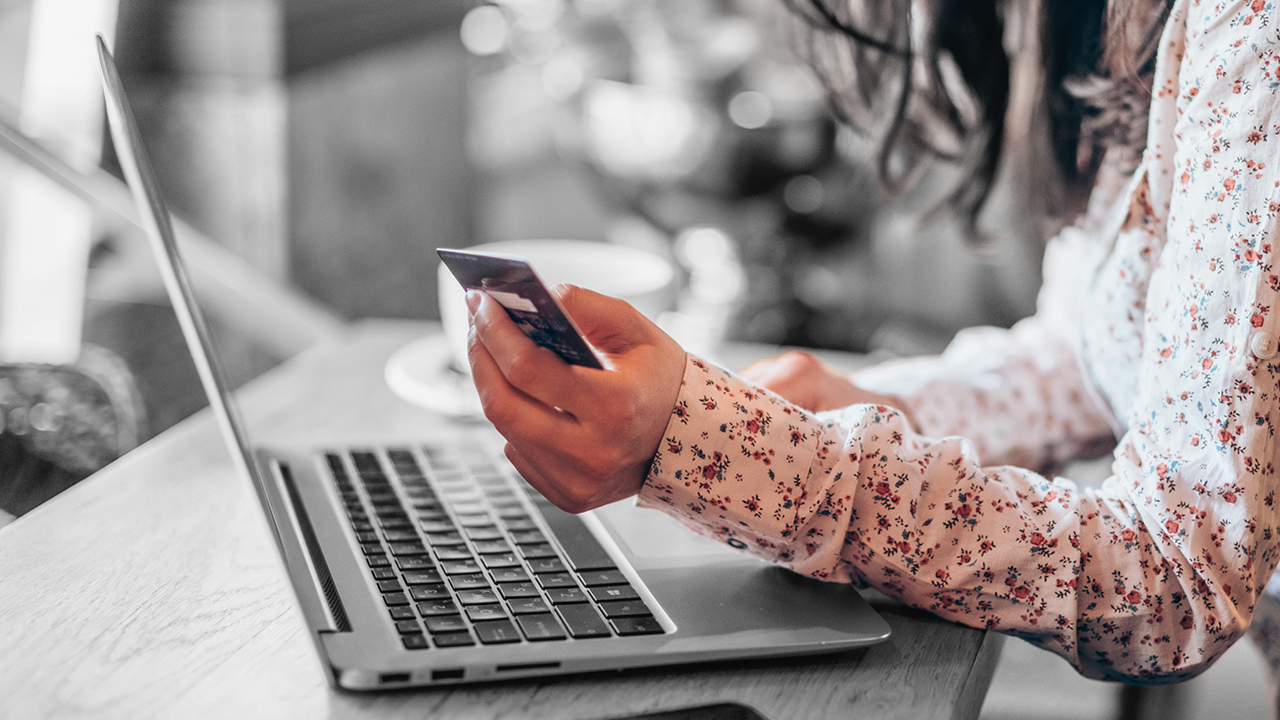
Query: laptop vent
x=336 y=609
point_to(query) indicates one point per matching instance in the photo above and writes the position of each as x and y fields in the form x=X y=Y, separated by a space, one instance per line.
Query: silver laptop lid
x=154 y=217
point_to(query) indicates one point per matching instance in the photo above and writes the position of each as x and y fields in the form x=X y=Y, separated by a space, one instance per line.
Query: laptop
x=433 y=564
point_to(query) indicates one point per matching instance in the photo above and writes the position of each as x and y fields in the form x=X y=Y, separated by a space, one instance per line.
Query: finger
x=533 y=475
x=534 y=370
x=566 y=487
x=513 y=412
x=760 y=369
x=611 y=325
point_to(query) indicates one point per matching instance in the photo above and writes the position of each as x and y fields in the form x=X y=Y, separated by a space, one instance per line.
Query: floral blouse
x=1155 y=327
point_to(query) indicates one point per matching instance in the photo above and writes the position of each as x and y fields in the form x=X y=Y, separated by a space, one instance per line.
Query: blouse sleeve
x=1154 y=575
x=1020 y=395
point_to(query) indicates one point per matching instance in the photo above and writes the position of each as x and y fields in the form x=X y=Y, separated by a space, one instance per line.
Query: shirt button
x=1264 y=345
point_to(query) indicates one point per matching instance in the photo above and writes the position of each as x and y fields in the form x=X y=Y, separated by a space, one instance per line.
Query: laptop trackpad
x=647 y=534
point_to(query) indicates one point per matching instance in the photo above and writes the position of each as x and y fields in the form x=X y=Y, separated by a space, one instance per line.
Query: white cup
x=639 y=277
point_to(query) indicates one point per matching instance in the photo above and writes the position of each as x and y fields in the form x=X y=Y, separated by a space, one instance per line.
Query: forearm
x=858 y=495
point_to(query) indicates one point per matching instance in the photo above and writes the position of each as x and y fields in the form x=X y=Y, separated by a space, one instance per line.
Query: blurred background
x=316 y=152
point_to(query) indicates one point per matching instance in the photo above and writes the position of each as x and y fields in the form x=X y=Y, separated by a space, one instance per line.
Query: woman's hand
x=583 y=437
x=804 y=380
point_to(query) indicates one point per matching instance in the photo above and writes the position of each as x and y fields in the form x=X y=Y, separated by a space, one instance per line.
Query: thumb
x=609 y=324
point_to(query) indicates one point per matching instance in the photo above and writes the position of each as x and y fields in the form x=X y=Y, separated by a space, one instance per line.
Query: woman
x=1156 y=330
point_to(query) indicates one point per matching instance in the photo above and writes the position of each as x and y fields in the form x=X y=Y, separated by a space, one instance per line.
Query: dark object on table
x=60 y=423
x=719 y=711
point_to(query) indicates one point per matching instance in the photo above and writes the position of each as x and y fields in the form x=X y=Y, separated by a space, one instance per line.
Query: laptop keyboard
x=451 y=544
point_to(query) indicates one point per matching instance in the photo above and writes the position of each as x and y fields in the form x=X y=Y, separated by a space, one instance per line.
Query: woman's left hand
x=583 y=437
x=804 y=380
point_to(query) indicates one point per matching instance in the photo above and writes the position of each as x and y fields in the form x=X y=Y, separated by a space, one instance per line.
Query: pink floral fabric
x=1150 y=334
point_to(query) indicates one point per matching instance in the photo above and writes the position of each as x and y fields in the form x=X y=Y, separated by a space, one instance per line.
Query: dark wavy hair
x=932 y=79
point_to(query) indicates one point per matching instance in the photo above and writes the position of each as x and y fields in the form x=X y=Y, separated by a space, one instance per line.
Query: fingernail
x=473 y=302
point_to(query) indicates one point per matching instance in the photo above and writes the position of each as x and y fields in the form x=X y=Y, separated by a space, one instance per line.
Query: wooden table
x=153 y=589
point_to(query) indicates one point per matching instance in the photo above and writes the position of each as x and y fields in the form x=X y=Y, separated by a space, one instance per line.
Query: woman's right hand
x=583 y=437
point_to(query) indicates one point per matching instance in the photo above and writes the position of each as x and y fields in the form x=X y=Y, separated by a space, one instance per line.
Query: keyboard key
x=478 y=520
x=484 y=532
x=514 y=516
x=566 y=595
x=387 y=586
x=464 y=492
x=458 y=567
x=624 y=608
x=491 y=611
x=493 y=632
x=557 y=580
x=644 y=625
x=500 y=560
x=444 y=538
x=528 y=537
x=474 y=507
x=544 y=565
x=437 y=607
x=402 y=459
x=334 y=460
x=456 y=483
x=392 y=520
x=477 y=597
x=401 y=612
x=401 y=535
x=367 y=537
x=524 y=606
x=377 y=560
x=613 y=592
x=452 y=552
x=456 y=639
x=581 y=548
x=365 y=461
x=415 y=642
x=445 y=623
x=422 y=577
x=540 y=550
x=518 y=590
x=383 y=573
x=408 y=627
x=407 y=548
x=395 y=598
x=511 y=574
x=415 y=562
x=490 y=547
x=429 y=592
x=583 y=621
x=370 y=548
x=468 y=582
x=602 y=577
x=540 y=626
x=436 y=526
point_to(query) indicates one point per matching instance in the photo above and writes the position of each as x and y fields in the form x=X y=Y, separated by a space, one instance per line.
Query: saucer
x=423 y=373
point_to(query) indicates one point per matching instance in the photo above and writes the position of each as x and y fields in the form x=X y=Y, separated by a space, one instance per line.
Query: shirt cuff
x=731 y=456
